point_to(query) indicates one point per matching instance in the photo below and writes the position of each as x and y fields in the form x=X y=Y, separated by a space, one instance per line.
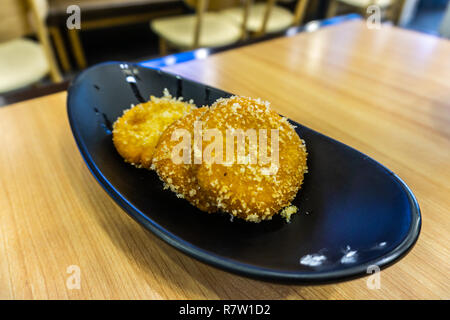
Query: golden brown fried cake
x=180 y=177
x=249 y=191
x=137 y=132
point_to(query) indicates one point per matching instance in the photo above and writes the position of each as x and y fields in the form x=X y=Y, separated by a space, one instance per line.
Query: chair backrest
x=14 y=22
x=42 y=8
x=201 y=6
x=214 y=5
x=22 y=17
x=299 y=14
x=300 y=10
x=16 y=18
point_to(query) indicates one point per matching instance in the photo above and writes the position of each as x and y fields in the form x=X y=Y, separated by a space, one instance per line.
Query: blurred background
x=38 y=50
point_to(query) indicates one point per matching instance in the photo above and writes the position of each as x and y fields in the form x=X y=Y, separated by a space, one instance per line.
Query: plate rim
x=227 y=264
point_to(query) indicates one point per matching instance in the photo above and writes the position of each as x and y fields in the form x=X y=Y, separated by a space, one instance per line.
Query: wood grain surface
x=385 y=92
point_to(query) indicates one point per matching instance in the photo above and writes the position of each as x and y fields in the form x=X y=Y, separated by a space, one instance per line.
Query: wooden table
x=385 y=92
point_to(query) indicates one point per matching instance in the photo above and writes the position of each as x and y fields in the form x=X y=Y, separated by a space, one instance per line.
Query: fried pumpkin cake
x=136 y=133
x=251 y=190
x=174 y=169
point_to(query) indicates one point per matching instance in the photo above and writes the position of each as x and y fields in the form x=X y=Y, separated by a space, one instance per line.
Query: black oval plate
x=353 y=212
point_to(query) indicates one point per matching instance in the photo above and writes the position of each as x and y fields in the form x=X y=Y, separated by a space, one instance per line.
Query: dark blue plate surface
x=354 y=213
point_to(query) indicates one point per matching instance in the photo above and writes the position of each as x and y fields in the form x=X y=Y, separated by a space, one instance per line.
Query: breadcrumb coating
x=246 y=190
x=180 y=177
x=253 y=191
x=137 y=132
x=288 y=212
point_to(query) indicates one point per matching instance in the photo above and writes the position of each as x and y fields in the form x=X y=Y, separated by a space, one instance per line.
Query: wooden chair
x=99 y=14
x=392 y=6
x=24 y=61
x=267 y=17
x=206 y=28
